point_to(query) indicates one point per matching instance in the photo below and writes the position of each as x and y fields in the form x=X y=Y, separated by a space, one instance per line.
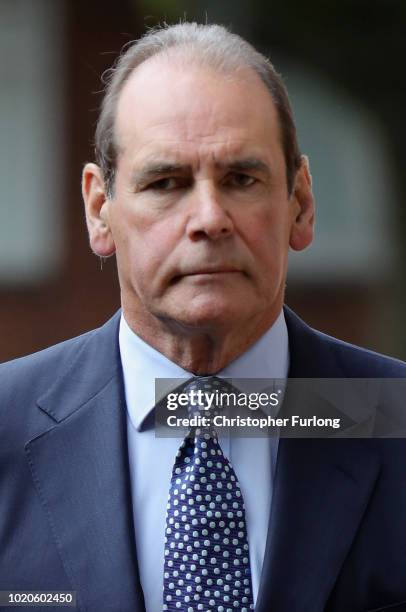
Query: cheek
x=147 y=252
x=267 y=233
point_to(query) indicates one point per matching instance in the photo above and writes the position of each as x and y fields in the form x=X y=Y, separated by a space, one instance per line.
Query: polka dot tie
x=206 y=548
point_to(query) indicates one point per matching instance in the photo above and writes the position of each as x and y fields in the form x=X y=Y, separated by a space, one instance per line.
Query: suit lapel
x=80 y=468
x=321 y=490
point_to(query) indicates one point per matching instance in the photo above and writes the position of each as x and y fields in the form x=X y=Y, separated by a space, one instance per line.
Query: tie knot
x=205 y=395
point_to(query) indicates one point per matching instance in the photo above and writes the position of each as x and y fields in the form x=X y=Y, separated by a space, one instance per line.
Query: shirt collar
x=142 y=364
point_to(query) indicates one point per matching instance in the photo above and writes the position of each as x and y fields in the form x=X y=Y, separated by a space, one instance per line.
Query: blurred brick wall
x=83 y=296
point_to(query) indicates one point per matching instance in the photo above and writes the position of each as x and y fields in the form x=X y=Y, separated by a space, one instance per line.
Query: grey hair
x=210 y=45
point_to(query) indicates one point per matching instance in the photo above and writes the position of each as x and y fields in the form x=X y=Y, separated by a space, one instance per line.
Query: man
x=199 y=191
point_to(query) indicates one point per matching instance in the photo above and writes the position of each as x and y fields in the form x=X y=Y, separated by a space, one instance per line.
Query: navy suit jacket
x=337 y=530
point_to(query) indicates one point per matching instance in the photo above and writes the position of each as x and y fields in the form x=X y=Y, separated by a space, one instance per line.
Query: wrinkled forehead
x=168 y=100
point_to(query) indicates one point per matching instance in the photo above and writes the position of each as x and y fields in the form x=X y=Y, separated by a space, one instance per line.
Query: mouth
x=212 y=271
x=207 y=273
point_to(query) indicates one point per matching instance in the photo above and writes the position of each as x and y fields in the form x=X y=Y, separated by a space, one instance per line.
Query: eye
x=165 y=184
x=238 y=179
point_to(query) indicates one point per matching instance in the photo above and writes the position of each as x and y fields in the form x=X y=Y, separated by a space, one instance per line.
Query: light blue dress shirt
x=151 y=458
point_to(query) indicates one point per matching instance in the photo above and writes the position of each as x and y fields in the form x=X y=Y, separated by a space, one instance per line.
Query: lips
x=211 y=271
x=206 y=271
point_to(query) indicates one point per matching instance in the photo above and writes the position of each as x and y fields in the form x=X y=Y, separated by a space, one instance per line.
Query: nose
x=208 y=216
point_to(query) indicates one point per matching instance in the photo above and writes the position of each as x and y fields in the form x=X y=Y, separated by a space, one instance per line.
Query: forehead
x=188 y=110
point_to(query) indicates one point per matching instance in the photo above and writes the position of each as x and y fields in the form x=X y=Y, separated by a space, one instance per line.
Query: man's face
x=200 y=219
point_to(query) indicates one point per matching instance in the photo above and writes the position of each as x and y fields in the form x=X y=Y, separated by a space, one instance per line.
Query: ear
x=301 y=233
x=96 y=208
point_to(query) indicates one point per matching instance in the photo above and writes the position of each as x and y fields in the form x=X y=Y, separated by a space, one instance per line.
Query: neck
x=199 y=351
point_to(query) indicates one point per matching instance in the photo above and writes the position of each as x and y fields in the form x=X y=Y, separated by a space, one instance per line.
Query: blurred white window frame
x=32 y=146
x=353 y=182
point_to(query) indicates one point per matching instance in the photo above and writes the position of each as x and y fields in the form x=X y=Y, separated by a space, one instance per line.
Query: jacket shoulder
x=363 y=362
x=68 y=372
x=30 y=376
x=48 y=363
x=315 y=354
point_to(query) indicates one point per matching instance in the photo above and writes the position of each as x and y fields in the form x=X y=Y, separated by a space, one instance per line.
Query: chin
x=209 y=314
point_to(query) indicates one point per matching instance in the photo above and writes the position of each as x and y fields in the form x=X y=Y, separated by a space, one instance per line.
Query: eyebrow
x=162 y=168
x=248 y=163
x=156 y=169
